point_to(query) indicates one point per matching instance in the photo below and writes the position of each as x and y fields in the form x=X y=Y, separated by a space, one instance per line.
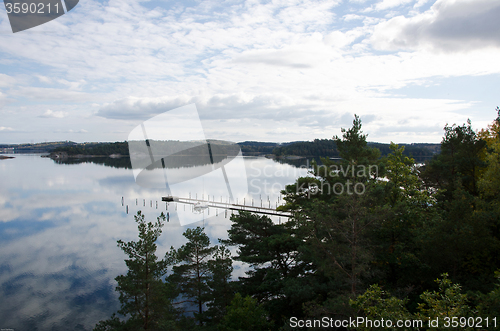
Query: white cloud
x=420 y=3
x=40 y=93
x=141 y=108
x=6 y=80
x=72 y=131
x=3 y=99
x=352 y=17
x=72 y=85
x=388 y=4
x=281 y=61
x=44 y=79
x=450 y=25
x=54 y=114
x=6 y=128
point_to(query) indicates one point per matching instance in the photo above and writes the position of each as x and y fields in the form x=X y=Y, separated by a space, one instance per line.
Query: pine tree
x=144 y=297
x=191 y=272
x=221 y=287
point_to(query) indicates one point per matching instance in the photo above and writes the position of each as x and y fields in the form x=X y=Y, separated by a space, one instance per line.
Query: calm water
x=59 y=224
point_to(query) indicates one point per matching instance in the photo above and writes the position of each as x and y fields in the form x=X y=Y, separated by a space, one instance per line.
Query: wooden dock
x=228 y=206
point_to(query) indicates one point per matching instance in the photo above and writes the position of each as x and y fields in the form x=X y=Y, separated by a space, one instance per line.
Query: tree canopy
x=370 y=236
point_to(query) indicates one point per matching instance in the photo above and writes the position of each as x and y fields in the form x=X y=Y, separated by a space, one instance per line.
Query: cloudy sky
x=270 y=70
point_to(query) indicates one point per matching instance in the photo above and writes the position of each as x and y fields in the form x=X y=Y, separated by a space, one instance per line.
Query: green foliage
x=112 y=324
x=447 y=302
x=100 y=149
x=272 y=250
x=459 y=162
x=353 y=147
x=192 y=270
x=245 y=314
x=489 y=183
x=489 y=304
x=221 y=289
x=464 y=242
x=328 y=148
x=445 y=305
x=334 y=226
x=144 y=297
x=254 y=147
x=403 y=182
x=318 y=147
x=408 y=226
x=406 y=209
x=339 y=242
x=376 y=304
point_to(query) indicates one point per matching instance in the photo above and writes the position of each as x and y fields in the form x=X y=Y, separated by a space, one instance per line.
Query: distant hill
x=262 y=148
x=316 y=148
x=46 y=147
x=97 y=149
x=258 y=143
x=328 y=148
x=257 y=147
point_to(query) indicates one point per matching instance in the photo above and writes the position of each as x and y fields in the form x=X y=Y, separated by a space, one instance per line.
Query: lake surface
x=59 y=224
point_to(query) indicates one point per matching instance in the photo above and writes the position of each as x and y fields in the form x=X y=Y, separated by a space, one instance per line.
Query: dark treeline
x=328 y=148
x=257 y=148
x=99 y=149
x=423 y=244
x=316 y=148
x=36 y=148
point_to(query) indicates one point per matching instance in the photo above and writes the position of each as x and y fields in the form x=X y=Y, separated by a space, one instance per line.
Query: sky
x=277 y=70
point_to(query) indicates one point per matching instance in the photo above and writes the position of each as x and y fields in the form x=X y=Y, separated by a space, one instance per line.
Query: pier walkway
x=230 y=206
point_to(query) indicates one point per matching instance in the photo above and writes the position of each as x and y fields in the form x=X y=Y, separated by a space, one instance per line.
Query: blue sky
x=256 y=70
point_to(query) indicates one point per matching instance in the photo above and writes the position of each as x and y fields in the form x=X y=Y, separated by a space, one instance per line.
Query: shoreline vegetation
x=279 y=151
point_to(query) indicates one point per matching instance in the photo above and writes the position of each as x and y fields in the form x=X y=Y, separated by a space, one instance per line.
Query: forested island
x=328 y=148
x=372 y=239
x=33 y=148
x=314 y=149
x=93 y=149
